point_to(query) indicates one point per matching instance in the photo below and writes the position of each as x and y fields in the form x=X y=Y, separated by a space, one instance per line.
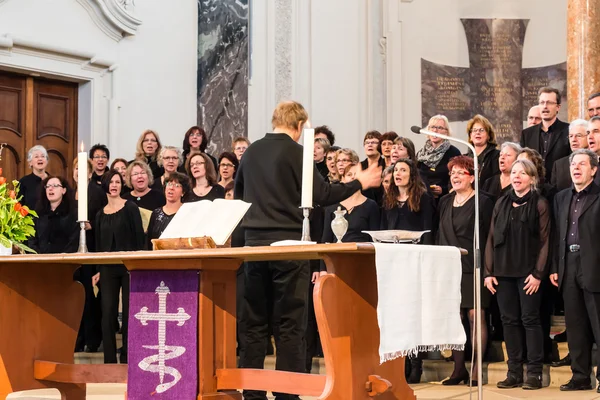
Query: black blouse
x=457 y=226
x=120 y=231
x=493 y=188
x=402 y=218
x=217 y=192
x=525 y=246
x=56 y=231
x=158 y=223
x=363 y=217
x=150 y=201
x=439 y=175
x=488 y=162
x=30 y=187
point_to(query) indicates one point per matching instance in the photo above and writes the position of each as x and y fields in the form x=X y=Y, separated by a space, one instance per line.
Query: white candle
x=82 y=185
x=308 y=166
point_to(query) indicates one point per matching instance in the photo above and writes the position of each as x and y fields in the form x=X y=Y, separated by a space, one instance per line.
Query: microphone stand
x=476 y=255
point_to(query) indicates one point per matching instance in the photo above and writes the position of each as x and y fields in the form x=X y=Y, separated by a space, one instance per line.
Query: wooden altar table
x=41 y=307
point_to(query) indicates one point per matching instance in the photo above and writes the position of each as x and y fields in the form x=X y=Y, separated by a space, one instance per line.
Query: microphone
x=416 y=129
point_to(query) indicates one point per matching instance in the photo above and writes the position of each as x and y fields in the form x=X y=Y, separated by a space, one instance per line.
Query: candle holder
x=82 y=239
x=306 y=224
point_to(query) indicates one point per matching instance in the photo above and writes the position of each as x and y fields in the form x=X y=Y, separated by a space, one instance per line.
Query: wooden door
x=37 y=111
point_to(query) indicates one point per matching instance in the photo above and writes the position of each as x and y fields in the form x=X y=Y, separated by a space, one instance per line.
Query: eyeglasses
x=577 y=135
x=173 y=158
x=195 y=134
x=343 y=161
x=240 y=148
x=197 y=163
x=459 y=173
x=226 y=165
x=477 y=130
x=548 y=103
x=372 y=142
x=100 y=158
x=54 y=185
x=149 y=141
x=437 y=128
x=173 y=185
x=139 y=173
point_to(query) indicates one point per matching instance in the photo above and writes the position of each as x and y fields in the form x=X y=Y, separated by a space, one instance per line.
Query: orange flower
x=12 y=194
x=18 y=207
x=2 y=180
x=24 y=211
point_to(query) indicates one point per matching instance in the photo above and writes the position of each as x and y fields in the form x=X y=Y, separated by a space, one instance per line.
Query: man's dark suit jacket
x=557 y=148
x=589 y=236
x=561 y=174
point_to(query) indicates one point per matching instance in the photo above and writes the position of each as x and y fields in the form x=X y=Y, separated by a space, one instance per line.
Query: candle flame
x=81 y=147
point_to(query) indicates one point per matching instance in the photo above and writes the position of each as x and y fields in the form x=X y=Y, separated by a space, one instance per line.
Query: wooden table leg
x=40 y=312
x=346 y=311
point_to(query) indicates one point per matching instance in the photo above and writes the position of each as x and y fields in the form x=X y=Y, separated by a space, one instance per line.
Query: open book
x=216 y=219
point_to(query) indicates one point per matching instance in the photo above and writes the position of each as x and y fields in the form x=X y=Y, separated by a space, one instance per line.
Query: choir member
x=534 y=117
x=456 y=228
x=575 y=269
x=321 y=149
x=593 y=105
x=386 y=178
x=498 y=185
x=119 y=228
x=483 y=138
x=550 y=138
x=403 y=148
x=120 y=165
x=147 y=149
x=545 y=189
x=177 y=185
x=435 y=155
x=273 y=165
x=195 y=140
x=203 y=179
x=515 y=263
x=170 y=159
x=331 y=160
x=228 y=165
x=387 y=142
x=56 y=229
x=138 y=178
x=345 y=157
x=239 y=146
x=324 y=132
x=99 y=154
x=30 y=186
x=578 y=139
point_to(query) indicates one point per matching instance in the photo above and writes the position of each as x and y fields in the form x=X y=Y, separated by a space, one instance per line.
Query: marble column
x=583 y=54
x=223 y=71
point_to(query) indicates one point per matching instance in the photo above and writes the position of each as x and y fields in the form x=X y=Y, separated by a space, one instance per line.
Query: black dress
x=217 y=192
x=493 y=188
x=457 y=229
x=402 y=218
x=30 y=187
x=56 y=231
x=158 y=223
x=150 y=201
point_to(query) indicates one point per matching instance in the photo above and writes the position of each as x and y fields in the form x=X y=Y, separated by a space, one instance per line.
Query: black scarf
x=505 y=207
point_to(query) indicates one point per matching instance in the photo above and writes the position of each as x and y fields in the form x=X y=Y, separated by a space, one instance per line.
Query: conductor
x=270 y=177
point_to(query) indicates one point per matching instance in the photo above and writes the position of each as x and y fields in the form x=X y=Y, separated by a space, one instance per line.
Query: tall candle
x=308 y=166
x=82 y=185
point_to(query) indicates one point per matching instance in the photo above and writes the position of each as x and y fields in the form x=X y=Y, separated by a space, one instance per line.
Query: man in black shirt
x=550 y=138
x=269 y=177
x=575 y=268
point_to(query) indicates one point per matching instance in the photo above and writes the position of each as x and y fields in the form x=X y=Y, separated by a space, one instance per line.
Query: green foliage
x=16 y=221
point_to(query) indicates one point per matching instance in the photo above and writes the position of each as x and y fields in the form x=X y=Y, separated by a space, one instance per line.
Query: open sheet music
x=216 y=219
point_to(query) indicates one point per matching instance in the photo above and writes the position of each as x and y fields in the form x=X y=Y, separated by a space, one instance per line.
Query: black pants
x=90 y=331
x=582 y=319
x=114 y=278
x=520 y=315
x=549 y=295
x=287 y=281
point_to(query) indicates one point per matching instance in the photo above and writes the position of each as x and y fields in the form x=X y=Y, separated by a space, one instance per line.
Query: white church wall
x=143 y=81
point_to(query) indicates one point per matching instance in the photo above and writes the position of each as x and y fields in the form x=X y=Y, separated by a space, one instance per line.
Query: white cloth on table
x=419 y=299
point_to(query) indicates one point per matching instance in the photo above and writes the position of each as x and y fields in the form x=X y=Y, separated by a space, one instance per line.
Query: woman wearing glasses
x=56 y=229
x=170 y=160
x=203 y=179
x=344 y=158
x=138 y=178
x=434 y=157
x=147 y=149
x=456 y=228
x=228 y=165
x=177 y=185
x=195 y=140
x=99 y=154
x=483 y=138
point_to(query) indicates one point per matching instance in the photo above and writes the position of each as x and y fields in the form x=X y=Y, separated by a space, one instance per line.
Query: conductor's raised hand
x=370 y=177
x=489 y=283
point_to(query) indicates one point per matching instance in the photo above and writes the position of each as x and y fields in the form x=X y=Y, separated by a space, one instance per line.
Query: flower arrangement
x=16 y=220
